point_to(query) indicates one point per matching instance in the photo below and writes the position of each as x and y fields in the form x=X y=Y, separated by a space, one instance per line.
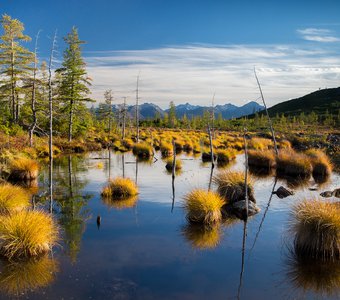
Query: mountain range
x=228 y=111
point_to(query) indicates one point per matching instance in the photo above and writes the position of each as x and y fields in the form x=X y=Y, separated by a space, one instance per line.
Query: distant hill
x=228 y=111
x=319 y=102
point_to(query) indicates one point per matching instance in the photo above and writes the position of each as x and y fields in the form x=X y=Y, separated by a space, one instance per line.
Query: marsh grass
x=231 y=186
x=316 y=227
x=225 y=156
x=22 y=276
x=120 y=188
x=169 y=164
x=143 y=150
x=27 y=233
x=203 y=206
x=261 y=159
x=291 y=163
x=166 y=149
x=322 y=167
x=12 y=198
x=202 y=236
x=23 y=169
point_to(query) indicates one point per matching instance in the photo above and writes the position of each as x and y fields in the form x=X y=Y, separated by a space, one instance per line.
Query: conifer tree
x=74 y=85
x=15 y=61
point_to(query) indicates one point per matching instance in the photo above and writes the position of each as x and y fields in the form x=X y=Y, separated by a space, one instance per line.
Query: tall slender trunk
x=137 y=112
x=50 y=112
x=33 y=100
x=124 y=118
x=70 y=121
x=12 y=98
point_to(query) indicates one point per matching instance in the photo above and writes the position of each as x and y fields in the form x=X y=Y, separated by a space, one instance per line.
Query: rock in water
x=239 y=208
x=326 y=194
x=336 y=193
x=282 y=192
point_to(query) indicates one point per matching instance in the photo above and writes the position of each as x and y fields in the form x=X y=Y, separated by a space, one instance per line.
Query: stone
x=239 y=209
x=326 y=194
x=336 y=193
x=283 y=192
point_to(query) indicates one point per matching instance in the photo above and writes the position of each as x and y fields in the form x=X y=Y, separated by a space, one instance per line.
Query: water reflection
x=19 y=277
x=319 y=277
x=120 y=203
x=202 y=236
x=71 y=203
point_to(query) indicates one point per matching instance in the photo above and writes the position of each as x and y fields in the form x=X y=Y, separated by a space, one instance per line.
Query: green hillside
x=319 y=102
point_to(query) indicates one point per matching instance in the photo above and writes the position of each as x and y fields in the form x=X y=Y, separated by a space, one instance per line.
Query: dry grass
x=12 y=198
x=143 y=150
x=290 y=163
x=261 y=158
x=23 y=169
x=230 y=185
x=120 y=188
x=169 y=164
x=322 y=166
x=166 y=149
x=202 y=236
x=27 y=233
x=121 y=203
x=203 y=206
x=19 y=277
x=260 y=143
x=225 y=156
x=316 y=227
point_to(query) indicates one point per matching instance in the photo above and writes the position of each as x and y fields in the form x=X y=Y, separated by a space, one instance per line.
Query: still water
x=145 y=248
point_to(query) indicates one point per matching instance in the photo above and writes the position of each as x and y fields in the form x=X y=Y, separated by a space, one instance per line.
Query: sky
x=189 y=50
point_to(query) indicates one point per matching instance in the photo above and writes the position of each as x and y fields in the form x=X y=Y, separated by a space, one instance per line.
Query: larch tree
x=15 y=63
x=74 y=85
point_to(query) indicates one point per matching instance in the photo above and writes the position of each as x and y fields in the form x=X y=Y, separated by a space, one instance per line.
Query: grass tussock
x=261 y=159
x=23 y=169
x=321 y=164
x=203 y=206
x=20 y=277
x=316 y=227
x=291 y=163
x=166 y=149
x=27 y=233
x=12 y=198
x=120 y=188
x=169 y=164
x=202 y=236
x=143 y=150
x=225 y=156
x=231 y=186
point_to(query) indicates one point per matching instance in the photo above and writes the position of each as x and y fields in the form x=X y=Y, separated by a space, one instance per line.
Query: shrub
x=203 y=206
x=316 y=227
x=27 y=233
x=12 y=198
x=120 y=188
x=231 y=186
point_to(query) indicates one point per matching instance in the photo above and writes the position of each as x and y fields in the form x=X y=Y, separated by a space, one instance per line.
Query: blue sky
x=187 y=50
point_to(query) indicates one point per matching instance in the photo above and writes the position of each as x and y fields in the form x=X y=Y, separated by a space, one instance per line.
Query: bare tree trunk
x=211 y=148
x=124 y=118
x=12 y=101
x=246 y=173
x=213 y=116
x=269 y=120
x=33 y=100
x=174 y=159
x=137 y=111
x=50 y=137
x=70 y=121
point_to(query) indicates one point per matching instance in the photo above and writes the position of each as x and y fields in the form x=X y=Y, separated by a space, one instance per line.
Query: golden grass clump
x=203 y=206
x=23 y=169
x=202 y=236
x=12 y=198
x=120 y=188
x=322 y=166
x=316 y=227
x=290 y=163
x=27 y=233
x=261 y=158
x=19 y=277
x=142 y=150
x=225 y=156
x=128 y=143
x=166 y=149
x=169 y=163
x=260 y=143
x=230 y=185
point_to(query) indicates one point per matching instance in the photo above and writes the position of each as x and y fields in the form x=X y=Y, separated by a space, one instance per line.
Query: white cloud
x=194 y=73
x=318 y=35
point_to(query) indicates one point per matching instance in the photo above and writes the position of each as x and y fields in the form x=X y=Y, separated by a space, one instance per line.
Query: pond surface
x=145 y=248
